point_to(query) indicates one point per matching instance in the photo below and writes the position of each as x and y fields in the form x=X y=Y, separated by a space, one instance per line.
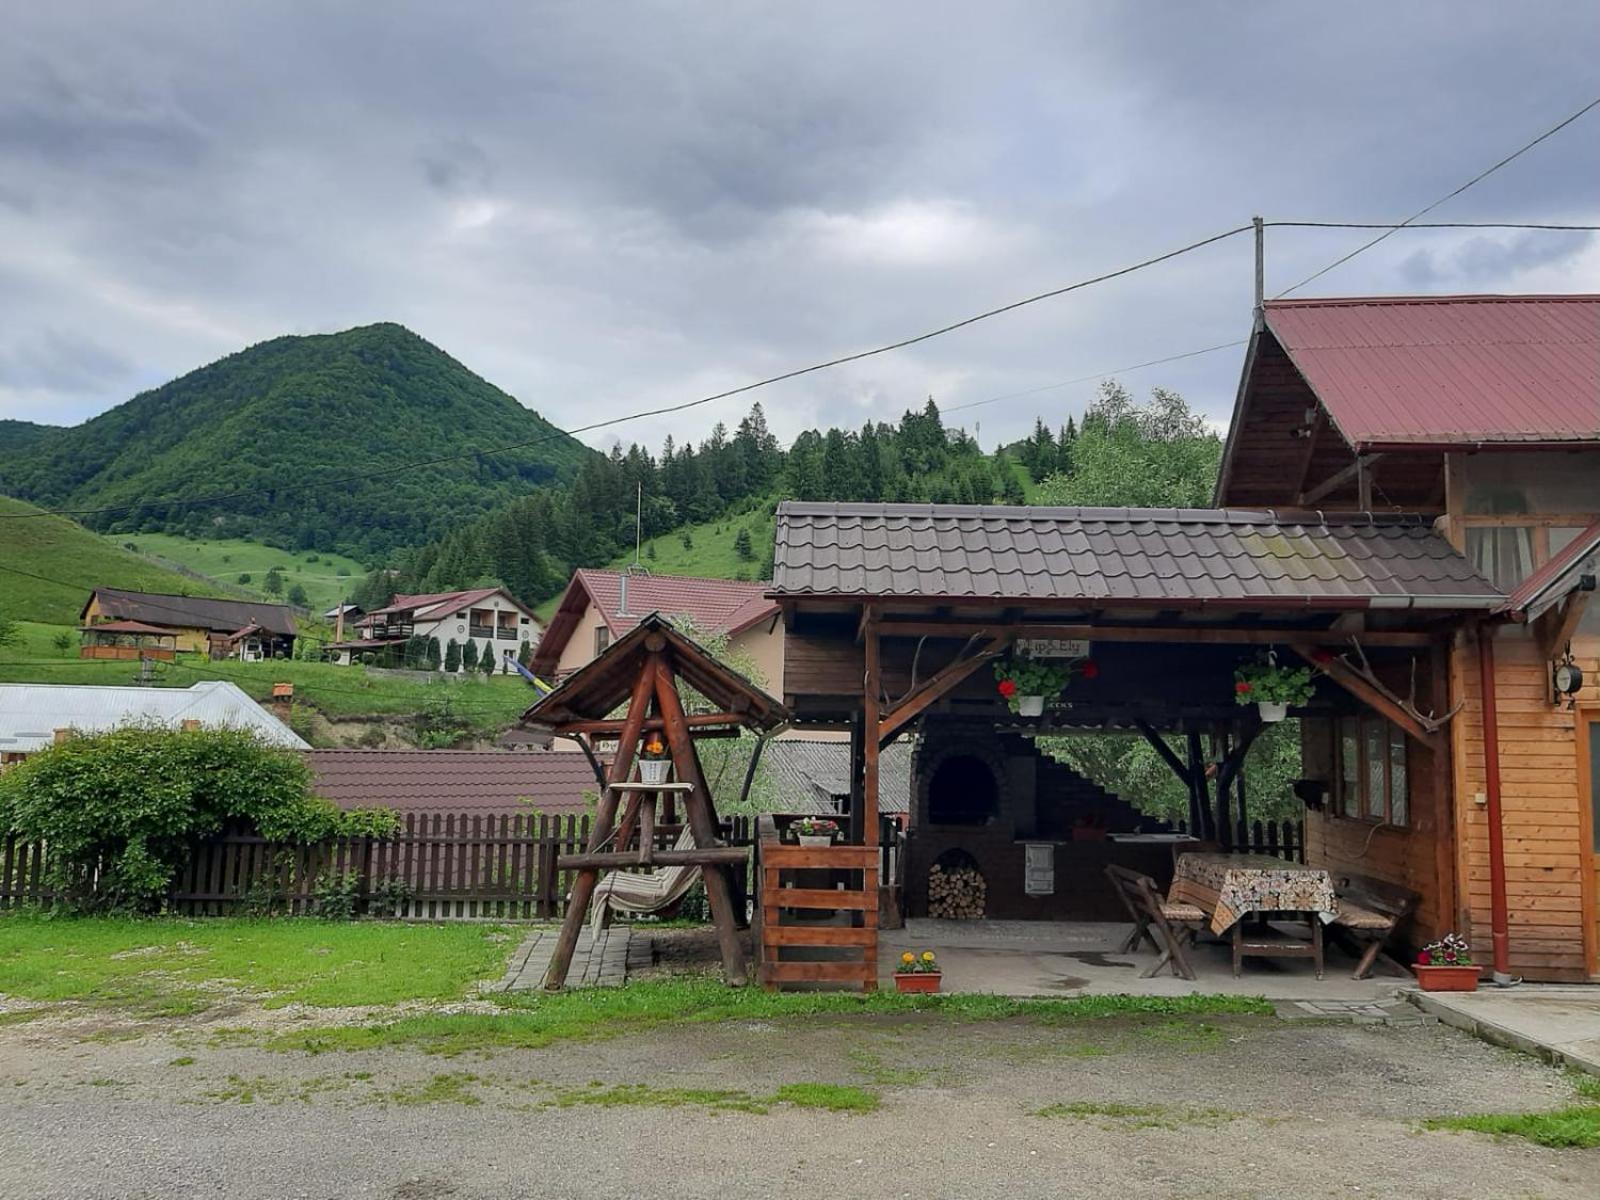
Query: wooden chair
x=1369 y=912
x=1168 y=926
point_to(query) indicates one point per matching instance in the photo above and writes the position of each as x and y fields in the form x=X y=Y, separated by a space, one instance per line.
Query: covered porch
x=896 y=616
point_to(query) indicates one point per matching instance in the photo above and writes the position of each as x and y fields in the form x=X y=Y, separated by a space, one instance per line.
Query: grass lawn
x=226 y=559
x=535 y=1019
x=487 y=704
x=1574 y=1127
x=173 y=967
x=60 y=549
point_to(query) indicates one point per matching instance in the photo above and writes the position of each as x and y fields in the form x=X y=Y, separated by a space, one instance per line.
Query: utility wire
x=274 y=492
x=1050 y=387
x=1422 y=212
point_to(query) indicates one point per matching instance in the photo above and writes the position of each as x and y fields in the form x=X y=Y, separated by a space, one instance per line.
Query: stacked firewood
x=957 y=893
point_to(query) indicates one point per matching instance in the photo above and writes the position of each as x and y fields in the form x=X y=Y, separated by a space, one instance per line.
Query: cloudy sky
x=602 y=207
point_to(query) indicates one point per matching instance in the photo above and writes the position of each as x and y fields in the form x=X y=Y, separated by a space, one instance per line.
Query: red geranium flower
x=1089 y=670
x=1243 y=688
x=1008 y=689
x=1424 y=959
x=1321 y=657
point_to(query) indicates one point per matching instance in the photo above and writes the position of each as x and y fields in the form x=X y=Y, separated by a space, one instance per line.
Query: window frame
x=1357 y=804
x=602 y=639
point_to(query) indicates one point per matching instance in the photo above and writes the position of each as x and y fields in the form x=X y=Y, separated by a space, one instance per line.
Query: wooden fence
x=1279 y=839
x=438 y=867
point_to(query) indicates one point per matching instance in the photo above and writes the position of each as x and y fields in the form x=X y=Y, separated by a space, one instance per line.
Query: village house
x=1409 y=503
x=36 y=715
x=123 y=624
x=489 y=619
x=598 y=607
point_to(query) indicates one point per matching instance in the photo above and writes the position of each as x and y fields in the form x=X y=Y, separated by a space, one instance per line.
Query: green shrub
x=119 y=810
x=336 y=895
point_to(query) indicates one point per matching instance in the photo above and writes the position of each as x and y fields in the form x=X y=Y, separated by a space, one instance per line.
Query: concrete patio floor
x=1049 y=958
x=1557 y=1022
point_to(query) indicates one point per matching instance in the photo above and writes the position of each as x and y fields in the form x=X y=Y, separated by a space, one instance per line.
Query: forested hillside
x=533 y=544
x=293 y=410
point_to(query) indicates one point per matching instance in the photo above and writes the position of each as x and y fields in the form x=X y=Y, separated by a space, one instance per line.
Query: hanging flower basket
x=917 y=972
x=1027 y=684
x=1272 y=688
x=1446 y=966
x=654 y=764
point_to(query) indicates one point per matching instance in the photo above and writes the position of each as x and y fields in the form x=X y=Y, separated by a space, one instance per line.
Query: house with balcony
x=490 y=619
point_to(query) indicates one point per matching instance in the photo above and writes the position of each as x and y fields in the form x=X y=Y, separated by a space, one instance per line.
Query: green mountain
x=18 y=437
x=64 y=551
x=250 y=432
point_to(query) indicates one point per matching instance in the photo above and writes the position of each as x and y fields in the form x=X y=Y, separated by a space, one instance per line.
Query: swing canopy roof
x=604 y=685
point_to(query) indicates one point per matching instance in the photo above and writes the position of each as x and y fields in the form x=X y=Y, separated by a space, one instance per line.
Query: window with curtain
x=1371 y=778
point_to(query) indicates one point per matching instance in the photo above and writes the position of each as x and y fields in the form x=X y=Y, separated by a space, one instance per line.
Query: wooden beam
x=871 y=732
x=1211 y=635
x=1199 y=789
x=611 y=859
x=1164 y=751
x=600 y=832
x=940 y=684
x=653 y=724
x=1351 y=681
x=702 y=821
x=1303 y=471
x=1362 y=465
x=1556 y=627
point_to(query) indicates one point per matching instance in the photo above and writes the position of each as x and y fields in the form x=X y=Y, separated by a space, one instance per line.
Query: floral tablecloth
x=1230 y=885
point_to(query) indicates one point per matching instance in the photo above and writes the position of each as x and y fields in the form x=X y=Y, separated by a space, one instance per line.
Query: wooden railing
x=1280 y=839
x=437 y=867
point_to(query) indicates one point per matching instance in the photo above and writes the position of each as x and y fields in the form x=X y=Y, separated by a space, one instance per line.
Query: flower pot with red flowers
x=1089 y=828
x=917 y=972
x=1272 y=688
x=655 y=766
x=1027 y=684
x=814 y=831
x=1446 y=966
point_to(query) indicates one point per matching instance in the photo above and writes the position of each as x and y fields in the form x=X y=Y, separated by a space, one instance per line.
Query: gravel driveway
x=1218 y=1107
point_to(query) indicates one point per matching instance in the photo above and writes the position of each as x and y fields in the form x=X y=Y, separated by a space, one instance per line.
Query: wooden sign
x=1052 y=648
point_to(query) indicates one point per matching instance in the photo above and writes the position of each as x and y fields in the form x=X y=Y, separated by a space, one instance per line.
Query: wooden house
x=245 y=629
x=1410 y=502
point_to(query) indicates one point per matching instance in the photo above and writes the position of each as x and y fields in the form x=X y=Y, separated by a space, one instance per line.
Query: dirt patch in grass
x=1138 y=1116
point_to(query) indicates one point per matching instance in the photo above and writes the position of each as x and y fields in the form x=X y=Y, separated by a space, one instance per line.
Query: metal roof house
x=246 y=629
x=33 y=715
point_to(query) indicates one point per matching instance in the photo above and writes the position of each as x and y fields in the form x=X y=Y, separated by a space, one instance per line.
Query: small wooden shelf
x=633 y=785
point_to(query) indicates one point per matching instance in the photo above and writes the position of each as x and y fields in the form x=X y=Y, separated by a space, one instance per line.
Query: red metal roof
x=438 y=604
x=1551 y=582
x=1449 y=370
x=478 y=782
x=716 y=606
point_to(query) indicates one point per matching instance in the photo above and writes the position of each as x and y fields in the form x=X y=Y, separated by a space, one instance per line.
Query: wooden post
x=870 y=733
x=1199 y=790
x=604 y=818
x=857 y=757
x=702 y=819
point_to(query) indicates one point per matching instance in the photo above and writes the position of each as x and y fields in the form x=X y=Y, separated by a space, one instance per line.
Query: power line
x=651 y=412
x=1050 y=387
x=1422 y=212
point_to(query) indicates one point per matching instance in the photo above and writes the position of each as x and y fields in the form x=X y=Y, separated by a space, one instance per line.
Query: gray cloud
x=601 y=208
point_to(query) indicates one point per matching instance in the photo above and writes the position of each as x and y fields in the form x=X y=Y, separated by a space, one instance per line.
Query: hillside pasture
x=325 y=576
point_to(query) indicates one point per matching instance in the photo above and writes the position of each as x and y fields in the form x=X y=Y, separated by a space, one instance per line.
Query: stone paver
x=603 y=958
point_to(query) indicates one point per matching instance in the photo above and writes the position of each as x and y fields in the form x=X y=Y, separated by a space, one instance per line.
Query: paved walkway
x=1056 y=958
x=602 y=959
x=1560 y=1024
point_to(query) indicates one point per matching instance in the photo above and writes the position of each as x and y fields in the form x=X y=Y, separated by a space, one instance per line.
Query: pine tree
x=433 y=654
x=452 y=656
x=273 y=583
x=469 y=655
x=525 y=653
x=488 y=663
x=742 y=545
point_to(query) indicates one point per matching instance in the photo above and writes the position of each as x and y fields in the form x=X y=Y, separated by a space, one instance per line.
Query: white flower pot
x=814 y=840
x=1030 y=706
x=1272 y=713
x=654 y=770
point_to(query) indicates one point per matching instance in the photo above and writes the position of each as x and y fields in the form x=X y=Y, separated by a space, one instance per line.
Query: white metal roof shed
x=30 y=713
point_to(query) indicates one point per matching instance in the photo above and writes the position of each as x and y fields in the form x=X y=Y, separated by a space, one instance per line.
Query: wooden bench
x=1168 y=926
x=1369 y=911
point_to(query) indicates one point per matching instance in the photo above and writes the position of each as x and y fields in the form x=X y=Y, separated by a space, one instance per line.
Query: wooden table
x=1232 y=887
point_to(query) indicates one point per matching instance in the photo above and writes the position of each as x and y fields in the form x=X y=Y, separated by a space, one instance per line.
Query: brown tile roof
x=1166 y=557
x=716 y=606
x=1449 y=370
x=195 y=612
x=476 y=782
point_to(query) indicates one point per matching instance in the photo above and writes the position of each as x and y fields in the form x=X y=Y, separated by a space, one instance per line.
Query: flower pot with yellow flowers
x=917 y=972
x=655 y=766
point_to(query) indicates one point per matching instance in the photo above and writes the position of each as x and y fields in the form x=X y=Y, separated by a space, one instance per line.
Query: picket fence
x=437 y=867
